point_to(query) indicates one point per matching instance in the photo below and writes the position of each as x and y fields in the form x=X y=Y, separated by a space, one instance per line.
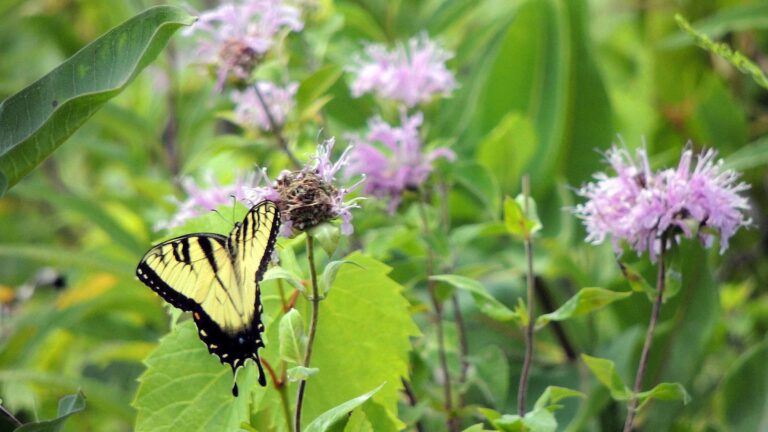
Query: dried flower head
x=250 y=112
x=640 y=206
x=235 y=36
x=310 y=196
x=411 y=73
x=392 y=158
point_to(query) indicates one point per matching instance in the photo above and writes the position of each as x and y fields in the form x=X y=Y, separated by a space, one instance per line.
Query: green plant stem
x=523 y=386
x=660 y=284
x=438 y=309
x=312 y=329
x=7 y=414
x=277 y=130
x=283 y=390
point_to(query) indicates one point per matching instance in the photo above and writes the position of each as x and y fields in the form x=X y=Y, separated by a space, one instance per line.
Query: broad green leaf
x=35 y=121
x=745 y=391
x=363 y=302
x=300 y=373
x=327 y=235
x=554 y=394
x=538 y=420
x=313 y=87
x=292 y=339
x=476 y=179
x=488 y=304
x=68 y=405
x=585 y=301
x=492 y=376
x=507 y=149
x=277 y=272
x=515 y=219
x=664 y=391
x=339 y=414
x=186 y=388
x=475 y=428
x=329 y=275
x=605 y=372
x=752 y=155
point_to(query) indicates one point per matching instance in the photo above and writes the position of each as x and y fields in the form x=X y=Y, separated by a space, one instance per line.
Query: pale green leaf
x=488 y=304
x=363 y=339
x=554 y=394
x=665 y=391
x=327 y=235
x=329 y=274
x=39 y=118
x=277 y=272
x=186 y=388
x=339 y=414
x=585 y=301
x=507 y=149
x=292 y=339
x=300 y=373
x=515 y=219
x=68 y=405
x=605 y=372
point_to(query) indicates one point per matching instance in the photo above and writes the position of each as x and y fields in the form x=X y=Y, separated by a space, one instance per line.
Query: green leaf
x=664 y=391
x=364 y=301
x=3 y=184
x=728 y=19
x=492 y=374
x=300 y=373
x=475 y=428
x=35 y=121
x=68 y=405
x=605 y=372
x=313 y=87
x=327 y=235
x=186 y=388
x=277 y=272
x=507 y=149
x=636 y=281
x=735 y=58
x=329 y=274
x=539 y=420
x=292 y=338
x=339 y=414
x=744 y=391
x=585 y=301
x=515 y=219
x=484 y=300
x=479 y=182
x=554 y=394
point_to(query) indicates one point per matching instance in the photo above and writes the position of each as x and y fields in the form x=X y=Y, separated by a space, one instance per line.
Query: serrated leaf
x=664 y=391
x=327 y=235
x=488 y=304
x=291 y=336
x=339 y=414
x=68 y=405
x=585 y=301
x=39 y=118
x=299 y=373
x=515 y=219
x=605 y=372
x=364 y=301
x=186 y=388
x=329 y=274
x=277 y=272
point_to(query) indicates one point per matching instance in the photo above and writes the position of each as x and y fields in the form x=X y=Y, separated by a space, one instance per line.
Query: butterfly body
x=216 y=278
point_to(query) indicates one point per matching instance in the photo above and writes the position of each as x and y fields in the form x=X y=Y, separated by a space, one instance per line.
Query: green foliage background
x=543 y=84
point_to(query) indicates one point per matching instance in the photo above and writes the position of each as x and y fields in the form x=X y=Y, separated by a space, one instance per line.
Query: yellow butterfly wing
x=217 y=279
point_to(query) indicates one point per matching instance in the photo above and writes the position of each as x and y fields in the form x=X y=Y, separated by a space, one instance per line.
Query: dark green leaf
x=35 y=121
x=484 y=300
x=507 y=149
x=745 y=391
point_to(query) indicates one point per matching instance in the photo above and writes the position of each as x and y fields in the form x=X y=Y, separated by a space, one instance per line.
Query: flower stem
x=277 y=130
x=315 y=299
x=438 y=308
x=7 y=414
x=660 y=284
x=279 y=384
x=523 y=386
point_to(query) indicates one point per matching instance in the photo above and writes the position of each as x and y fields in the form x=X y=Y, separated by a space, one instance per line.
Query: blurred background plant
x=539 y=86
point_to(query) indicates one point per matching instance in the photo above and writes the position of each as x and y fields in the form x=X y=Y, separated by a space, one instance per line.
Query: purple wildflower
x=411 y=74
x=202 y=200
x=238 y=34
x=311 y=196
x=640 y=206
x=397 y=163
x=250 y=112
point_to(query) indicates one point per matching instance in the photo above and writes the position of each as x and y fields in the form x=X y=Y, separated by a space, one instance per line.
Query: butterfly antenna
x=234 y=204
x=217 y=212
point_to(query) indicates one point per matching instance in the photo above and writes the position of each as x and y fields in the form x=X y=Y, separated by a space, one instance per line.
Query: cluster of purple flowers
x=250 y=111
x=411 y=74
x=640 y=206
x=398 y=163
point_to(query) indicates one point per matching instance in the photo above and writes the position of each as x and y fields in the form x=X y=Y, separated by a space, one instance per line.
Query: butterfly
x=217 y=279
